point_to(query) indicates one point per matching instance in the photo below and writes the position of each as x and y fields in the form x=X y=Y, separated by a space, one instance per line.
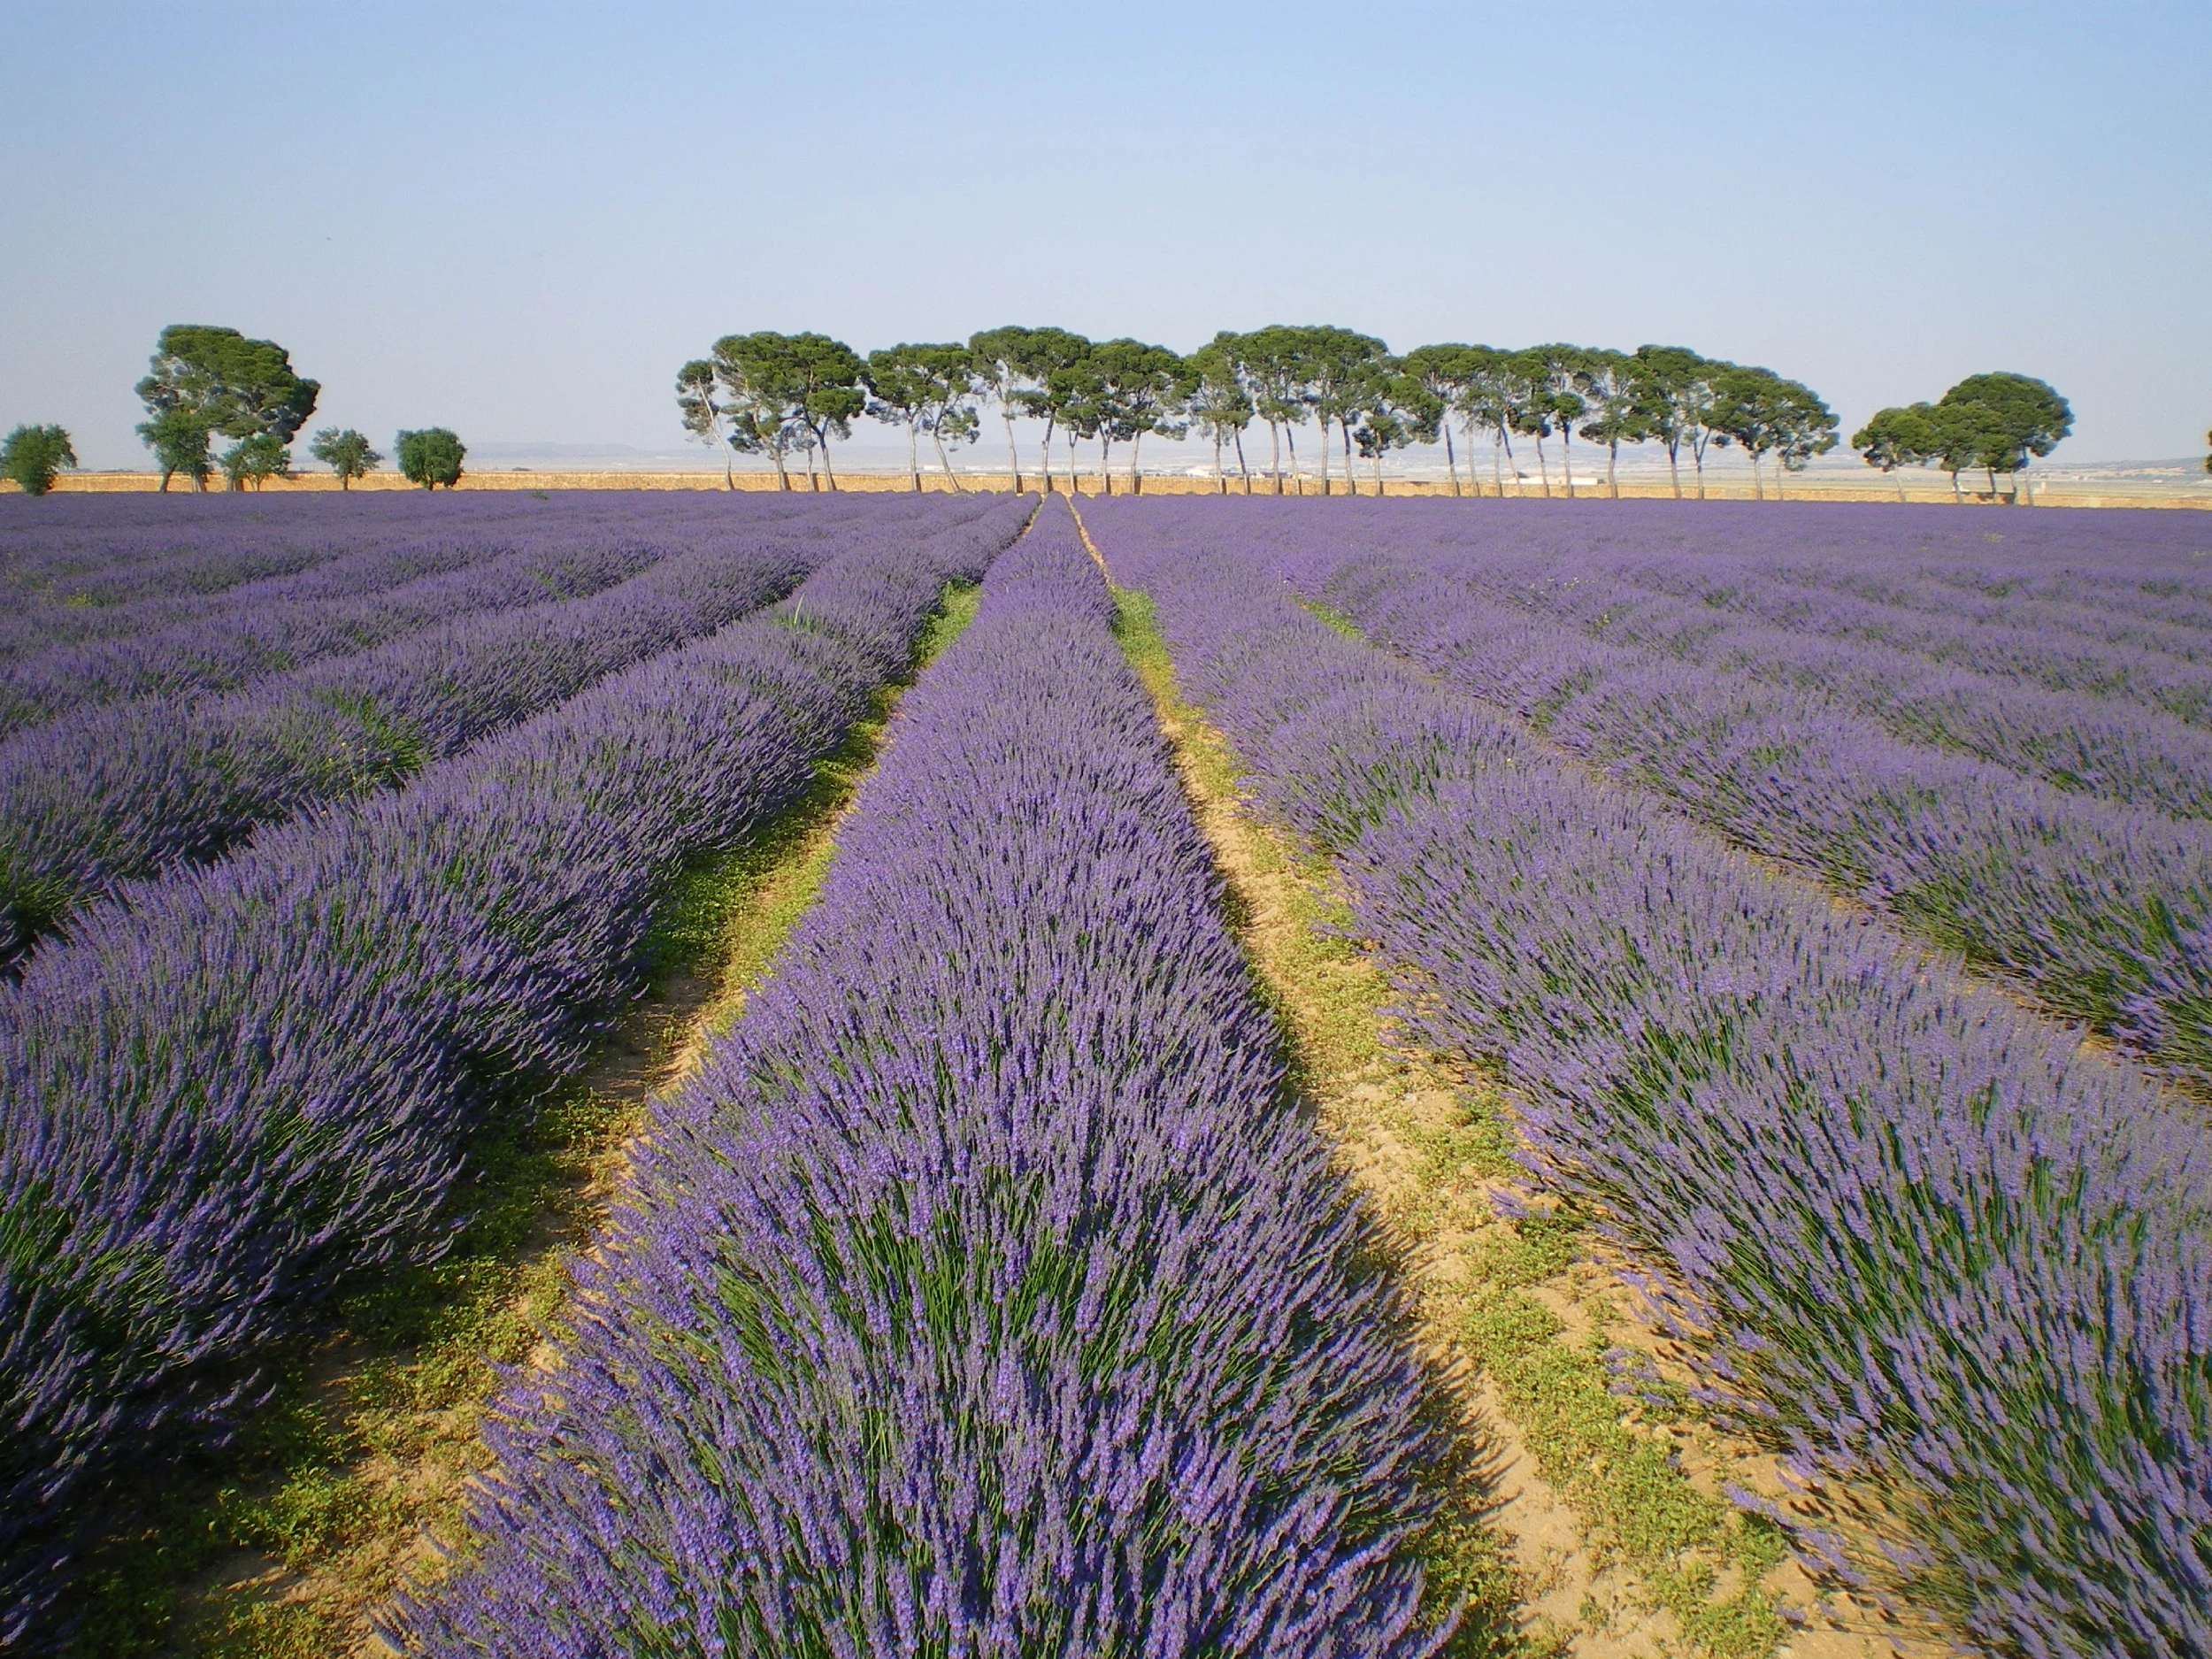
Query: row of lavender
x=232 y=1094
x=393 y=585
x=98 y=565
x=2150 y=593
x=1925 y=1241
x=2125 y=719
x=2126 y=579
x=983 y=1294
x=142 y=788
x=2105 y=908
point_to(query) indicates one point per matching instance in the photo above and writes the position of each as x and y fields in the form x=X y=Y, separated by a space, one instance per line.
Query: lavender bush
x=1923 y=1240
x=230 y=1094
x=131 y=792
x=2104 y=909
x=66 y=655
x=983 y=1296
x=94 y=555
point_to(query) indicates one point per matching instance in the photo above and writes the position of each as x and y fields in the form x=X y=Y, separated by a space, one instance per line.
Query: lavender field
x=1812 y=906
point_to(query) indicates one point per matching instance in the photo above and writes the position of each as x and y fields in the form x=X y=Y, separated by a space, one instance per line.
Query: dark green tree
x=1562 y=396
x=1220 y=405
x=2026 y=418
x=828 y=376
x=1056 y=362
x=1135 y=389
x=699 y=403
x=1897 y=437
x=1673 y=395
x=1395 y=412
x=1802 y=425
x=1337 y=367
x=898 y=395
x=345 y=453
x=1967 y=434
x=1762 y=414
x=770 y=393
x=1525 y=394
x=924 y=389
x=252 y=462
x=1486 y=406
x=1618 y=414
x=1271 y=362
x=430 y=457
x=232 y=386
x=179 y=439
x=1447 y=375
x=32 y=455
x=1005 y=366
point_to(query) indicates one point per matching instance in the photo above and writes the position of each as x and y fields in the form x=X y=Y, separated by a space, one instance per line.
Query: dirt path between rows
x=405 y=1467
x=1427 y=1143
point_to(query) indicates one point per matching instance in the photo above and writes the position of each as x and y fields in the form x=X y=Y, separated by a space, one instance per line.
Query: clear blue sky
x=517 y=220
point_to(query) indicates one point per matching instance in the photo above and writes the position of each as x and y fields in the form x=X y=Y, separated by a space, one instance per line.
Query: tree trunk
x=1136 y=448
x=1351 y=480
x=1612 y=469
x=1781 y=475
x=729 y=474
x=1992 y=483
x=829 y=471
x=1290 y=436
x=783 y=472
x=945 y=462
x=1221 y=479
x=1323 y=424
x=1451 y=464
x=913 y=452
x=1243 y=471
x=1758 y=491
x=1543 y=468
x=1275 y=455
x=1674 y=467
x=1957 y=499
x=1105 y=464
x=1013 y=458
x=1567 y=456
x=1378 y=483
x=1044 y=454
x=1697 y=460
x=1497 y=468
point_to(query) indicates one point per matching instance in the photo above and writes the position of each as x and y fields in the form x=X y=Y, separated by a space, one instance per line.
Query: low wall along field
x=1873 y=487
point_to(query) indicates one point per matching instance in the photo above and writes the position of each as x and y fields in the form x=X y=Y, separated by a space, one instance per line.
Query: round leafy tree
x=430 y=457
x=32 y=455
x=345 y=453
x=2013 y=418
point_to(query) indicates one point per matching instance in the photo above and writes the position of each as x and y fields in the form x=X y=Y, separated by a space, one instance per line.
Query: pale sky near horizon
x=516 y=221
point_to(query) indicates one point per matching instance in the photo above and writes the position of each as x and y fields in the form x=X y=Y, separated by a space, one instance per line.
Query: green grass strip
x=336 y=1480
x=1635 y=1502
